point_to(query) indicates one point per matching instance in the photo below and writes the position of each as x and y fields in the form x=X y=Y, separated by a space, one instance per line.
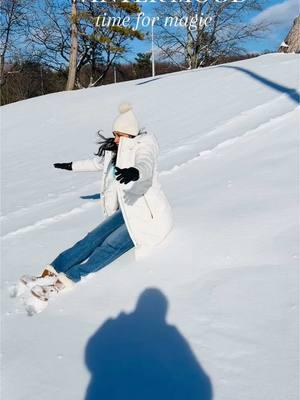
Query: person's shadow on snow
x=139 y=356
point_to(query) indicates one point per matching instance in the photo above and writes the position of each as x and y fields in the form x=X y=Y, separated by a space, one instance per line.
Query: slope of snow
x=228 y=271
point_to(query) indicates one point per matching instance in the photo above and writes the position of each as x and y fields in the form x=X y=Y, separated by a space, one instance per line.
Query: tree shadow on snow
x=148 y=81
x=96 y=196
x=292 y=93
x=139 y=356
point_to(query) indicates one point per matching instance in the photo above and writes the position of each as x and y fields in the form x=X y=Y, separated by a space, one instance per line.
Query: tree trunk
x=9 y=18
x=2 y=63
x=74 y=48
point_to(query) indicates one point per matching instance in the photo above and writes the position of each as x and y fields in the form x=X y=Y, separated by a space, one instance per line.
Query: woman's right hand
x=67 y=166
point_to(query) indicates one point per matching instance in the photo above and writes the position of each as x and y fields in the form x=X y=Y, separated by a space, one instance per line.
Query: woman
x=137 y=212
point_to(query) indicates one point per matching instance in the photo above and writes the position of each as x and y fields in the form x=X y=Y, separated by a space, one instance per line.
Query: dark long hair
x=108 y=144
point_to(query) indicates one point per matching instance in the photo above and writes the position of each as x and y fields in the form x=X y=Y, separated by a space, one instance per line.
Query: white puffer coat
x=144 y=206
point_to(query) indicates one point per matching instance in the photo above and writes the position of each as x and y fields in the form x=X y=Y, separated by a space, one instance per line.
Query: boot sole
x=39 y=296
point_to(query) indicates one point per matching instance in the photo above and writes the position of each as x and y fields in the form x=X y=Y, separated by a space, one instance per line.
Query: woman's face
x=117 y=136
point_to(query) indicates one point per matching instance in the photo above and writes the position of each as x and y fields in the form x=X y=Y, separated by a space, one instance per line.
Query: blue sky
x=280 y=13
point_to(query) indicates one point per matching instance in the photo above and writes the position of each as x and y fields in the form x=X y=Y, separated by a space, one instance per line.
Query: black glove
x=67 y=166
x=126 y=175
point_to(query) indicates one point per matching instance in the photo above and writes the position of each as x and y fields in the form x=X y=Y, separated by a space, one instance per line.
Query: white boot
x=27 y=282
x=62 y=283
x=40 y=295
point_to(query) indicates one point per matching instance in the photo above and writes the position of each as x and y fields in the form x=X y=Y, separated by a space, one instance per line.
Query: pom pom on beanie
x=126 y=121
x=124 y=107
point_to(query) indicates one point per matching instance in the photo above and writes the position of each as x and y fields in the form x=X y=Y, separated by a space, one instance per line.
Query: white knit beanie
x=126 y=121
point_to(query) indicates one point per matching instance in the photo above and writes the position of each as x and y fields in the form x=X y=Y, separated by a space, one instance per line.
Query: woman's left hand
x=126 y=175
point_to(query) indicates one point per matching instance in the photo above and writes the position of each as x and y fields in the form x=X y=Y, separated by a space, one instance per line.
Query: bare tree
x=78 y=38
x=192 y=34
x=49 y=33
x=12 y=22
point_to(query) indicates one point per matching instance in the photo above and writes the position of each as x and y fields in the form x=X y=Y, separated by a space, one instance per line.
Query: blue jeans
x=98 y=248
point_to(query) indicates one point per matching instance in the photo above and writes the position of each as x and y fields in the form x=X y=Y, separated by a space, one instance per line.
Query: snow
x=214 y=308
x=283 y=44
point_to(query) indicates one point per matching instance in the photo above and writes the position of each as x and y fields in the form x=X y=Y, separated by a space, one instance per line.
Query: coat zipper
x=147 y=204
x=104 y=183
x=120 y=199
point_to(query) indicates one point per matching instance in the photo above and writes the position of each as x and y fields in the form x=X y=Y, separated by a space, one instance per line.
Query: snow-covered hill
x=228 y=271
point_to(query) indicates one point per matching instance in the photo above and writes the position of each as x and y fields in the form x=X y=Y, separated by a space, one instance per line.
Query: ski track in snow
x=251 y=118
x=264 y=119
x=228 y=142
x=43 y=223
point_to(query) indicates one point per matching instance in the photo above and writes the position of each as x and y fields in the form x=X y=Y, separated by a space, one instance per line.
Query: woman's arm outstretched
x=90 y=165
